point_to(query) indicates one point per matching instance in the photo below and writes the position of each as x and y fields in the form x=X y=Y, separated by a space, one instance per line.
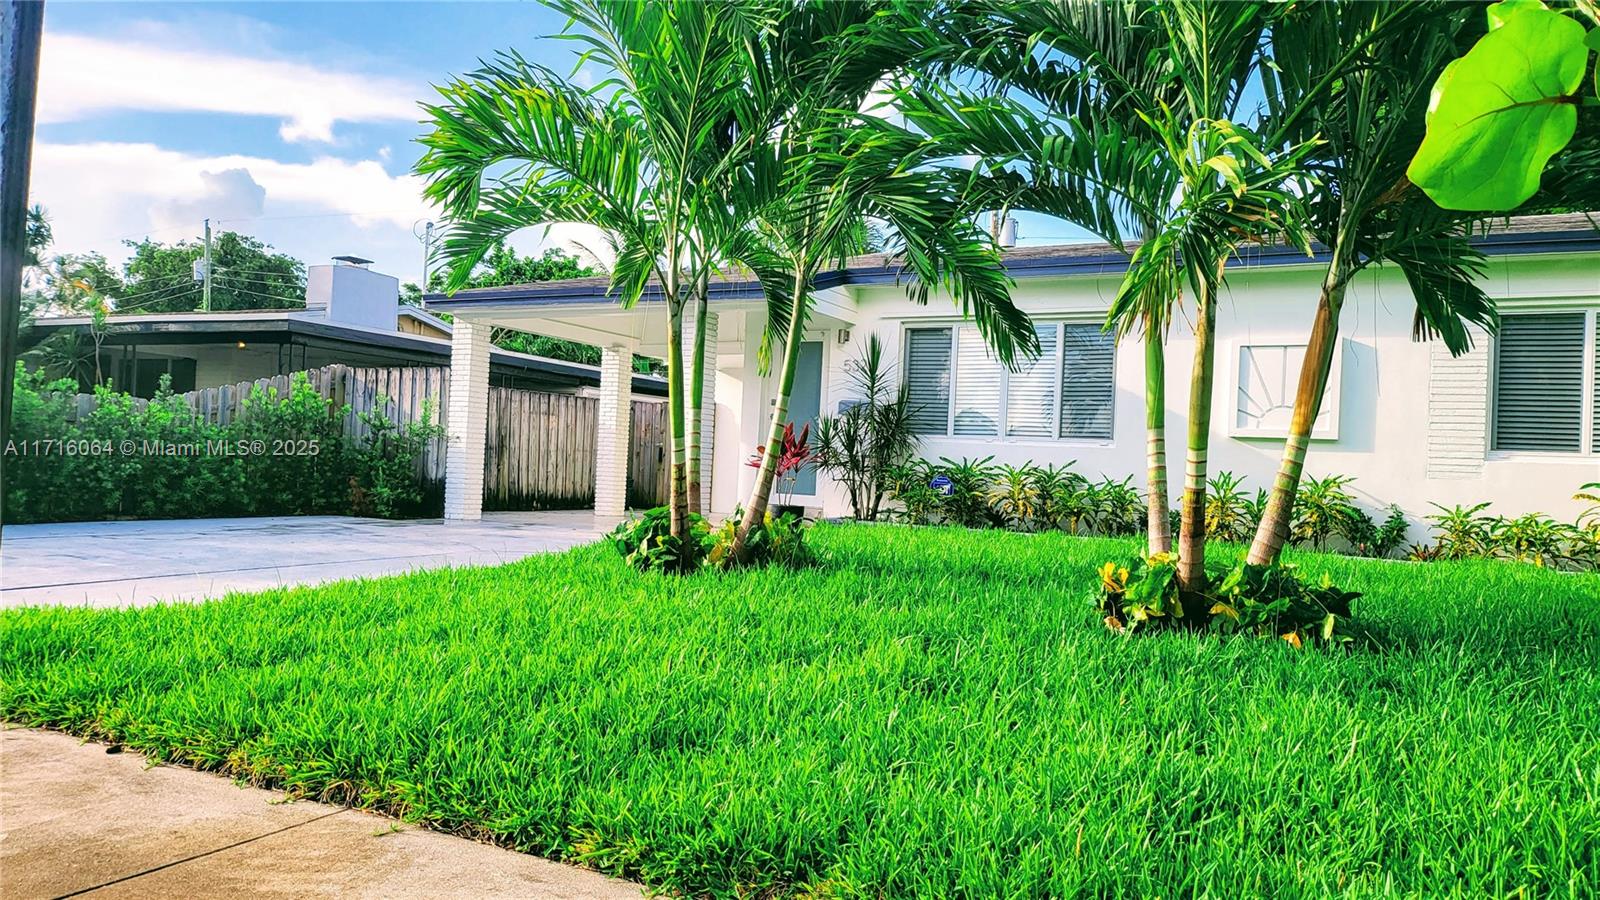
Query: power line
x=275 y=298
x=281 y=280
x=149 y=297
x=158 y=290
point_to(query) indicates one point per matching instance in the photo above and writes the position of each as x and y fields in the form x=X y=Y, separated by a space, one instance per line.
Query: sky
x=293 y=122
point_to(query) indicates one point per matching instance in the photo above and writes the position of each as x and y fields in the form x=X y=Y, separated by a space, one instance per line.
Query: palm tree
x=1045 y=130
x=514 y=145
x=828 y=166
x=1359 y=77
x=36 y=237
x=1369 y=110
x=1230 y=191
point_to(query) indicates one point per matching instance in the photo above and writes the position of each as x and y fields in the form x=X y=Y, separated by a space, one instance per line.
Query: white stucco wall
x=1387 y=439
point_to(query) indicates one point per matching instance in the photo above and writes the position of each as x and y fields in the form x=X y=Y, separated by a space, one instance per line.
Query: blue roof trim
x=1108 y=263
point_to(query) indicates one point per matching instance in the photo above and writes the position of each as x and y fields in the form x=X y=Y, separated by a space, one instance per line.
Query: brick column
x=612 y=443
x=468 y=420
x=708 y=399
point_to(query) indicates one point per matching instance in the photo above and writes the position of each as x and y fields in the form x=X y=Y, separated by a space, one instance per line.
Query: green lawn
x=926 y=713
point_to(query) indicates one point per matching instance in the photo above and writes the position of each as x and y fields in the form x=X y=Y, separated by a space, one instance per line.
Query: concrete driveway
x=133 y=563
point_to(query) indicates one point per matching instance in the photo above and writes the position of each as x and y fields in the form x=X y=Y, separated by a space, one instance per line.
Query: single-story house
x=1515 y=421
x=352 y=317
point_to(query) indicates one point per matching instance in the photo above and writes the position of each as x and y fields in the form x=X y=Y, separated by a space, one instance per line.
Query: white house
x=1514 y=421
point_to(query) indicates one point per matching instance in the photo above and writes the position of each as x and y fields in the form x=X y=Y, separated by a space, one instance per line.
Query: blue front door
x=805 y=403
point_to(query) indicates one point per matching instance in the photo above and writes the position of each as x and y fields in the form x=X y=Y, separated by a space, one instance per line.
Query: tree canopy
x=249 y=274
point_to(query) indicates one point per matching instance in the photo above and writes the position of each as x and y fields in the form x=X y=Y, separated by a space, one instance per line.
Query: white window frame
x=1000 y=435
x=1327 y=428
x=1587 y=410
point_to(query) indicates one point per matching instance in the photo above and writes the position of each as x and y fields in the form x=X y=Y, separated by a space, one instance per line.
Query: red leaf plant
x=796 y=451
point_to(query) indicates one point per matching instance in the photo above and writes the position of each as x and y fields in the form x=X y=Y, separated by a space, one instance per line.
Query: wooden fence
x=540 y=448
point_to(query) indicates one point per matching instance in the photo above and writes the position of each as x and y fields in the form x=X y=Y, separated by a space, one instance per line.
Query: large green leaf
x=1500 y=112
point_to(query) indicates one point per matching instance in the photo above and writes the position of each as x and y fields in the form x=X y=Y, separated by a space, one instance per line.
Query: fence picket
x=539 y=451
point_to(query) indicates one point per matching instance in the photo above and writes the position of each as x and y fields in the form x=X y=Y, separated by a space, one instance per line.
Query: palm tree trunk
x=677 y=498
x=697 y=373
x=1159 y=522
x=1192 y=529
x=755 y=511
x=1273 y=530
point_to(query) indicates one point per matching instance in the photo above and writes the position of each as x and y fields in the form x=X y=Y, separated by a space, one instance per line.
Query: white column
x=708 y=397
x=468 y=420
x=612 y=444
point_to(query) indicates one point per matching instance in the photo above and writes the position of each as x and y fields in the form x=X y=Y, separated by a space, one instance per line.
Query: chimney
x=1008 y=233
x=350 y=293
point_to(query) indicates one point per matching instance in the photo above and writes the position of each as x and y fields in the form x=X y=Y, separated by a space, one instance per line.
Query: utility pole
x=205 y=286
x=426 y=237
x=21 y=24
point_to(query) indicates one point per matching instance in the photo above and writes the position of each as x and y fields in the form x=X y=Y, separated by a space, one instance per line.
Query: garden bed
x=926 y=712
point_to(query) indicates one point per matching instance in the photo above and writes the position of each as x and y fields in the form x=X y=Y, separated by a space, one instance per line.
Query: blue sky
x=292 y=122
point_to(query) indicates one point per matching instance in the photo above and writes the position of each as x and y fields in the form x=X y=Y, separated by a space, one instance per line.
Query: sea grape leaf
x=1499 y=12
x=1500 y=112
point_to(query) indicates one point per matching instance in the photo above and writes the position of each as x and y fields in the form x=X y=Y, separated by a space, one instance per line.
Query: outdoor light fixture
x=241 y=345
x=844 y=336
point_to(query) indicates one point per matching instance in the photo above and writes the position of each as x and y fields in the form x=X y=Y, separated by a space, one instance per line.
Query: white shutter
x=978 y=385
x=928 y=379
x=1538 y=388
x=1088 y=388
x=1031 y=390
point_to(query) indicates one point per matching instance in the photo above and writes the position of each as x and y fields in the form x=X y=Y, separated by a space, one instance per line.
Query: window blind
x=978 y=386
x=1088 y=387
x=1539 y=382
x=1594 y=391
x=1031 y=390
x=928 y=379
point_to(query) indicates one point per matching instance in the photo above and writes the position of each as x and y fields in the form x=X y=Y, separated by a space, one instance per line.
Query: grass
x=929 y=713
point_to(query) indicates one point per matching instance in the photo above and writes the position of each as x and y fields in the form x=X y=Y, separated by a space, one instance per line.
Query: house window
x=1266 y=378
x=958 y=388
x=1545 y=382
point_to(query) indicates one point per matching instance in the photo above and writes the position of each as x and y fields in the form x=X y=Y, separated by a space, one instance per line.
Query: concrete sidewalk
x=75 y=820
x=131 y=563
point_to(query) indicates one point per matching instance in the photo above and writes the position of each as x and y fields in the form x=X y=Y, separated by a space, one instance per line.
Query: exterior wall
x=353 y=295
x=408 y=325
x=1412 y=422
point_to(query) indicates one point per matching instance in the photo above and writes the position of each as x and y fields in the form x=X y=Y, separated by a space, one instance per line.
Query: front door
x=805 y=403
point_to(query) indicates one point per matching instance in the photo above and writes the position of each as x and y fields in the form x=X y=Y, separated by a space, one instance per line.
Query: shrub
x=967 y=502
x=282 y=455
x=1379 y=541
x=1230 y=515
x=1117 y=507
x=1533 y=538
x=1062 y=495
x=647 y=542
x=864 y=446
x=1014 y=497
x=1323 y=509
x=312 y=475
x=1463 y=532
x=910 y=485
x=385 y=478
x=776 y=540
x=1264 y=601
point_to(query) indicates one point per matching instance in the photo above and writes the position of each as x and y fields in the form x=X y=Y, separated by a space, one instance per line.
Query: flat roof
x=1562 y=233
x=300 y=323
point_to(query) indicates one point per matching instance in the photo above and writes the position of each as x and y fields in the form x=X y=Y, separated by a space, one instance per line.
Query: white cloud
x=97 y=194
x=82 y=75
x=229 y=194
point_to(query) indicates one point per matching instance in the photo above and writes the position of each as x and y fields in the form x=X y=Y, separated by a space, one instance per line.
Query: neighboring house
x=353 y=316
x=1514 y=421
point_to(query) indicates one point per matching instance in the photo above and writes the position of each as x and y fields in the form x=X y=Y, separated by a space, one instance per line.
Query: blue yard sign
x=943 y=485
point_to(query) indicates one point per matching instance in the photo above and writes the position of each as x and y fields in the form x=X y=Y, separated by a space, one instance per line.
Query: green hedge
x=283 y=455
